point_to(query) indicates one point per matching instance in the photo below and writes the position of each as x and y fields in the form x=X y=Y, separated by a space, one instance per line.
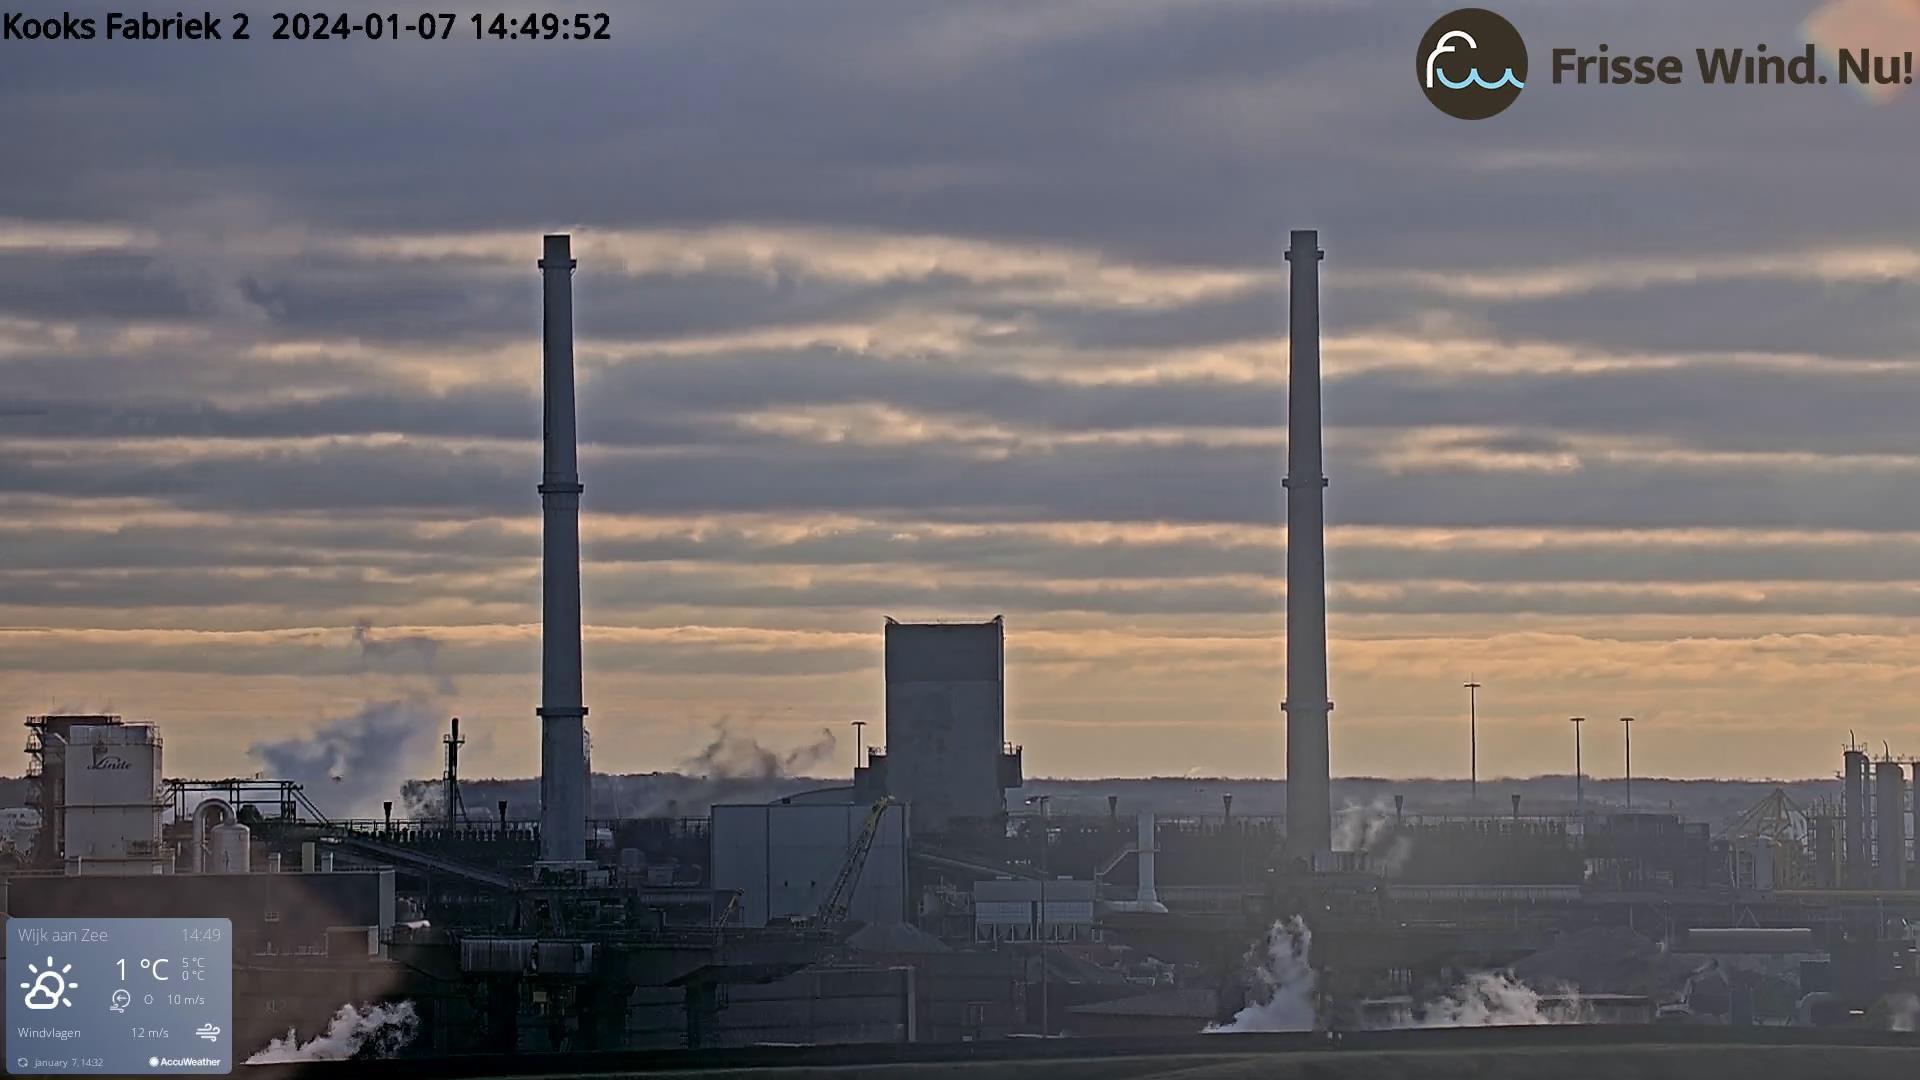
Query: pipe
x=563 y=757
x=1309 y=781
x=202 y=829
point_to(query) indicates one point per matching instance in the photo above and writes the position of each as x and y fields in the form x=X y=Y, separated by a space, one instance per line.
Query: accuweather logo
x=1472 y=64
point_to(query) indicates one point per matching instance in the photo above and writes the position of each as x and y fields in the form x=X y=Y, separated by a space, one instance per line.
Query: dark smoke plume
x=738 y=757
x=731 y=768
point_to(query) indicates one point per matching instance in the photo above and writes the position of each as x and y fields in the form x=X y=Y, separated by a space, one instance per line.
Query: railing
x=487 y=827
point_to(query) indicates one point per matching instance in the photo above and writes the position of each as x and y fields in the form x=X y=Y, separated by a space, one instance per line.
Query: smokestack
x=1913 y=808
x=1890 y=808
x=1309 y=783
x=563 y=795
x=450 y=785
x=1857 y=863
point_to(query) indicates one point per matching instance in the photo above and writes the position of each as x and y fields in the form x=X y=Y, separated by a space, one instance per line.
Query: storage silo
x=232 y=852
x=112 y=806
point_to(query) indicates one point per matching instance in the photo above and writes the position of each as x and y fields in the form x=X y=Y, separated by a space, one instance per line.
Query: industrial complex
x=919 y=902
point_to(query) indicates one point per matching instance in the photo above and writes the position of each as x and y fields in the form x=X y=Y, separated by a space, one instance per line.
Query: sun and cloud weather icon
x=49 y=988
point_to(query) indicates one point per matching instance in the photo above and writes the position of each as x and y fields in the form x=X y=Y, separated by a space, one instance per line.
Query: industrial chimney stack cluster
x=1878 y=815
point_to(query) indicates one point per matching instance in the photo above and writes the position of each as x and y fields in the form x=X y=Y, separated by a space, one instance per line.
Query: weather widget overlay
x=119 y=996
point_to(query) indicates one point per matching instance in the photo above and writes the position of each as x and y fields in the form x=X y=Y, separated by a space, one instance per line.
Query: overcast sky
x=929 y=308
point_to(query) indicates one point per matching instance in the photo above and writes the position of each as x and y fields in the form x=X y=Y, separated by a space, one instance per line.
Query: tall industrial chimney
x=563 y=793
x=1857 y=865
x=1891 y=829
x=1309 y=784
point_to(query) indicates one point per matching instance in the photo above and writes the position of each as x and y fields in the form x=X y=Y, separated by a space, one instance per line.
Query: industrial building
x=781 y=859
x=96 y=783
x=946 y=753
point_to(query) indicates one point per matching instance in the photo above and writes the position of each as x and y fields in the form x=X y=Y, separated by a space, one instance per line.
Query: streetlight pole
x=1626 y=724
x=1579 y=776
x=1473 y=740
x=1046 y=841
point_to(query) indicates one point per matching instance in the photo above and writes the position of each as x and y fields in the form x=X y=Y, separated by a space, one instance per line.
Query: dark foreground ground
x=1639 y=1063
x=1540 y=1053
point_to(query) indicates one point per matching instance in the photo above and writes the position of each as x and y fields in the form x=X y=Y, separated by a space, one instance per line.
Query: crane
x=833 y=909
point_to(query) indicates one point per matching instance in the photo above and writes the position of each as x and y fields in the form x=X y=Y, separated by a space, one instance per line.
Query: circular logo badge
x=1471 y=64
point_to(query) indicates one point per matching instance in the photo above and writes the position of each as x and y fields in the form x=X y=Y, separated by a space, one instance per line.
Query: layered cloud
x=953 y=310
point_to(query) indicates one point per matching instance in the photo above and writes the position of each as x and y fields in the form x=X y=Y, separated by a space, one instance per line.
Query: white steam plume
x=376 y=1031
x=1358 y=827
x=1284 y=984
x=350 y=765
x=1497 y=999
x=1369 y=828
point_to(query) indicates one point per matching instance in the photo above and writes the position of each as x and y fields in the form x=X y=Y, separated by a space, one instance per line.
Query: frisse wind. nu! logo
x=1472 y=64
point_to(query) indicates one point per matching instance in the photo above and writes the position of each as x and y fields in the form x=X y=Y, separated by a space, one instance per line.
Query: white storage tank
x=231 y=849
x=112 y=800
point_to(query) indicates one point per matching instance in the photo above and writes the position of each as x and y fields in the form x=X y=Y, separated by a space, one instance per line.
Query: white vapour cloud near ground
x=355 y=1031
x=1283 y=984
x=1283 y=993
x=1496 y=999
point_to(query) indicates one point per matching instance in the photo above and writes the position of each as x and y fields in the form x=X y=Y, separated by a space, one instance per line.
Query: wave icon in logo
x=1473 y=75
x=1455 y=51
